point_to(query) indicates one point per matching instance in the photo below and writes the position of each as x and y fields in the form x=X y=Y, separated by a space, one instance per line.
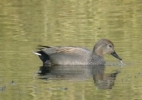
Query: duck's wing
x=67 y=55
x=65 y=50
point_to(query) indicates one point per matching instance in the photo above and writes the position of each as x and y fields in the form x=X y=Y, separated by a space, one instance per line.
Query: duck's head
x=105 y=46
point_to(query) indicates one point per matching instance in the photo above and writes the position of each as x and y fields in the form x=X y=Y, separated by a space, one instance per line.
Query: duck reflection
x=104 y=80
x=100 y=78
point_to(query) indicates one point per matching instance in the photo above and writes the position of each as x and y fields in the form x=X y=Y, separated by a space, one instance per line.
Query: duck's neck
x=97 y=59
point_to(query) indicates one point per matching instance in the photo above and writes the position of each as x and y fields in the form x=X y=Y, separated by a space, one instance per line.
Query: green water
x=26 y=24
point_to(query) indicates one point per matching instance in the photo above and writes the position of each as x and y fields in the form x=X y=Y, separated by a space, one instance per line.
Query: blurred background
x=26 y=24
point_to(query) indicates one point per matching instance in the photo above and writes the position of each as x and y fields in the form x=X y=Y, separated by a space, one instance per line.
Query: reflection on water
x=97 y=73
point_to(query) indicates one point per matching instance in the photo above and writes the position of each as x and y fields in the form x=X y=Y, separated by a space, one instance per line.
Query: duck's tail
x=37 y=53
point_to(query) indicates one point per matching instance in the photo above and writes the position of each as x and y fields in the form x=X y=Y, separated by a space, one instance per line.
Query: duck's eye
x=110 y=46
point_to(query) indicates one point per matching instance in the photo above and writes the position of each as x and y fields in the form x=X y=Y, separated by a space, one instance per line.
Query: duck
x=75 y=55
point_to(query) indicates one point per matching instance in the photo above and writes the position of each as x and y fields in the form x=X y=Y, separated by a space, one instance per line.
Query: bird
x=75 y=55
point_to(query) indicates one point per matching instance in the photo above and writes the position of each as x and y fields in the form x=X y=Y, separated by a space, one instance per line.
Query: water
x=26 y=24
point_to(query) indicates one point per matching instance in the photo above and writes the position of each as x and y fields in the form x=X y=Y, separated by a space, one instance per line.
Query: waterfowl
x=73 y=55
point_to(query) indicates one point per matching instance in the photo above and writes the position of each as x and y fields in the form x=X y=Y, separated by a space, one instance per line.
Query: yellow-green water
x=26 y=24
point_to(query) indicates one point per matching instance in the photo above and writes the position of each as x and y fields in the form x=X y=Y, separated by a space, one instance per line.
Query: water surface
x=26 y=24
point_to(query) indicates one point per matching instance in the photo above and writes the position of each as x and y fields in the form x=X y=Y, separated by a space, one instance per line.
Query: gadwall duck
x=73 y=55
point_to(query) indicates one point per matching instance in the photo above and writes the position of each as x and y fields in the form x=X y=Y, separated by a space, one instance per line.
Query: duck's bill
x=115 y=55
